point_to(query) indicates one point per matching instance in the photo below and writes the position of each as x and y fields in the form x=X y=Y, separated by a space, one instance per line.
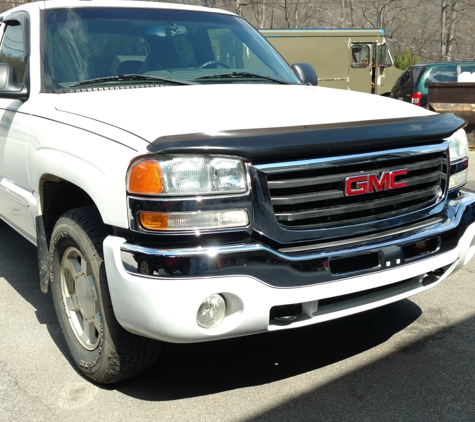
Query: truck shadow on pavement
x=19 y=266
x=191 y=370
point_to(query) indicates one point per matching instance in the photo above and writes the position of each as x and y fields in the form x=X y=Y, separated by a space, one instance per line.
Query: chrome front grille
x=311 y=194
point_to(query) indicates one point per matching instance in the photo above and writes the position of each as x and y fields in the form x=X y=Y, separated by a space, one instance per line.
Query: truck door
x=360 y=67
x=15 y=192
x=386 y=73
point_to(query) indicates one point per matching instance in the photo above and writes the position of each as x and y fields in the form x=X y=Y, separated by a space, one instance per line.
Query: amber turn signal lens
x=145 y=178
x=153 y=220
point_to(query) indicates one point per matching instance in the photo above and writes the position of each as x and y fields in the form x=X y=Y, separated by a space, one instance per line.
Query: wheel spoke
x=90 y=333
x=71 y=303
x=92 y=286
x=80 y=298
x=84 y=266
x=70 y=272
x=72 y=265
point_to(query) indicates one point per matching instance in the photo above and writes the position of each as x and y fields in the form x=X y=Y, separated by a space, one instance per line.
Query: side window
x=404 y=78
x=442 y=74
x=360 y=54
x=12 y=49
x=384 y=58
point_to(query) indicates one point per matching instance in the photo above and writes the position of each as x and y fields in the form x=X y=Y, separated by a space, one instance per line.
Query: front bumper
x=259 y=283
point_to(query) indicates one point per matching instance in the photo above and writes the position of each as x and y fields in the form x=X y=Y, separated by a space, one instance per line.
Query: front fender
x=92 y=162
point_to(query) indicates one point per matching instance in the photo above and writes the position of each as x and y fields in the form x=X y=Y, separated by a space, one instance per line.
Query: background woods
x=428 y=29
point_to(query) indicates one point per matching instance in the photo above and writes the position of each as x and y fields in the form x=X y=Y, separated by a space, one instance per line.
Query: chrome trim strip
x=283 y=270
x=341 y=160
x=15 y=192
x=199 y=251
x=343 y=242
x=214 y=251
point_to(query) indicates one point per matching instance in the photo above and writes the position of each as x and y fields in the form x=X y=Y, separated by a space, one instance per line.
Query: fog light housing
x=211 y=312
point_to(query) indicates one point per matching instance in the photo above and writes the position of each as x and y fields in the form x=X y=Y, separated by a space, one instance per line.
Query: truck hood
x=152 y=113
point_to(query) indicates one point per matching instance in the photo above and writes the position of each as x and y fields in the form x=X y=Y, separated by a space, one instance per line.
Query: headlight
x=186 y=176
x=458 y=145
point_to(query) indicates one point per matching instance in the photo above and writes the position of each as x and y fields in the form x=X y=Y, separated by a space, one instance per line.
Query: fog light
x=211 y=312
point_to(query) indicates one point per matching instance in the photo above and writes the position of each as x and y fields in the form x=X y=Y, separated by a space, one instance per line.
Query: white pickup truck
x=183 y=184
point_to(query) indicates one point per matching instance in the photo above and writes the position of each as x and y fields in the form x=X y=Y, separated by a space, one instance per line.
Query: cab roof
x=56 y=4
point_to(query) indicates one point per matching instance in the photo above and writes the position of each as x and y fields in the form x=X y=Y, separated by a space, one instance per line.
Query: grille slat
x=320 y=180
x=369 y=205
x=313 y=197
x=298 y=199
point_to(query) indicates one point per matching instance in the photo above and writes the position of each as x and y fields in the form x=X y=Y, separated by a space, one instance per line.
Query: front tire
x=99 y=346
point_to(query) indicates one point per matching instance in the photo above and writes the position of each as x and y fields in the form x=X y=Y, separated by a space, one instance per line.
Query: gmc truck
x=183 y=184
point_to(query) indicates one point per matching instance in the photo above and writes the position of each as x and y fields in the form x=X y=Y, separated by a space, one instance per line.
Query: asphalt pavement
x=409 y=361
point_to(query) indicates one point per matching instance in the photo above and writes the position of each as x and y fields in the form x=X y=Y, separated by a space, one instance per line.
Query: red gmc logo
x=368 y=183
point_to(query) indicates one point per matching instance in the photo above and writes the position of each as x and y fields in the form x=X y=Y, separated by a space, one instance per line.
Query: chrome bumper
x=311 y=264
x=260 y=283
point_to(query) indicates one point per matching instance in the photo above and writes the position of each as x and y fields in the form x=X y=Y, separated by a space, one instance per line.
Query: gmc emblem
x=368 y=183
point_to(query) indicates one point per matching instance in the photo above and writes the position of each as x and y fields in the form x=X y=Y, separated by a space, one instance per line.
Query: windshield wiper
x=131 y=77
x=241 y=75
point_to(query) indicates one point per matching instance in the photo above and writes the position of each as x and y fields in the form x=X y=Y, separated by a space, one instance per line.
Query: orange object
x=145 y=178
x=154 y=220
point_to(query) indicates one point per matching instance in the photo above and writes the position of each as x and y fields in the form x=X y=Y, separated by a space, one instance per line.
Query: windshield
x=83 y=44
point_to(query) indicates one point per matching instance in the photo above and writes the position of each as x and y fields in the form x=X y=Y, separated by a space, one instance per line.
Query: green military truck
x=354 y=59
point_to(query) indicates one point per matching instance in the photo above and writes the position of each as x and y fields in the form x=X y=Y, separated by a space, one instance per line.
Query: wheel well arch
x=57 y=196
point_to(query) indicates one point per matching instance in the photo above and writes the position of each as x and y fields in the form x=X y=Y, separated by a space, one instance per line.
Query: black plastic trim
x=270 y=144
x=459 y=166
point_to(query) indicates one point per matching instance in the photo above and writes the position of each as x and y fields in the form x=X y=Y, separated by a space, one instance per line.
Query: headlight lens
x=185 y=176
x=458 y=145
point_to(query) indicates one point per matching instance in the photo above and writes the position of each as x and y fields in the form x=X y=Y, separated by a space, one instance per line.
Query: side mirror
x=9 y=87
x=306 y=73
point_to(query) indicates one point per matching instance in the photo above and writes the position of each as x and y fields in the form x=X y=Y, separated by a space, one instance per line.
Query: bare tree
x=262 y=13
x=383 y=13
x=347 y=14
x=295 y=13
x=6 y=5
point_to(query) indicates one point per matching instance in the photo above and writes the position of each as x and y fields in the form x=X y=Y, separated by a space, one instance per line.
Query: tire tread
x=131 y=354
